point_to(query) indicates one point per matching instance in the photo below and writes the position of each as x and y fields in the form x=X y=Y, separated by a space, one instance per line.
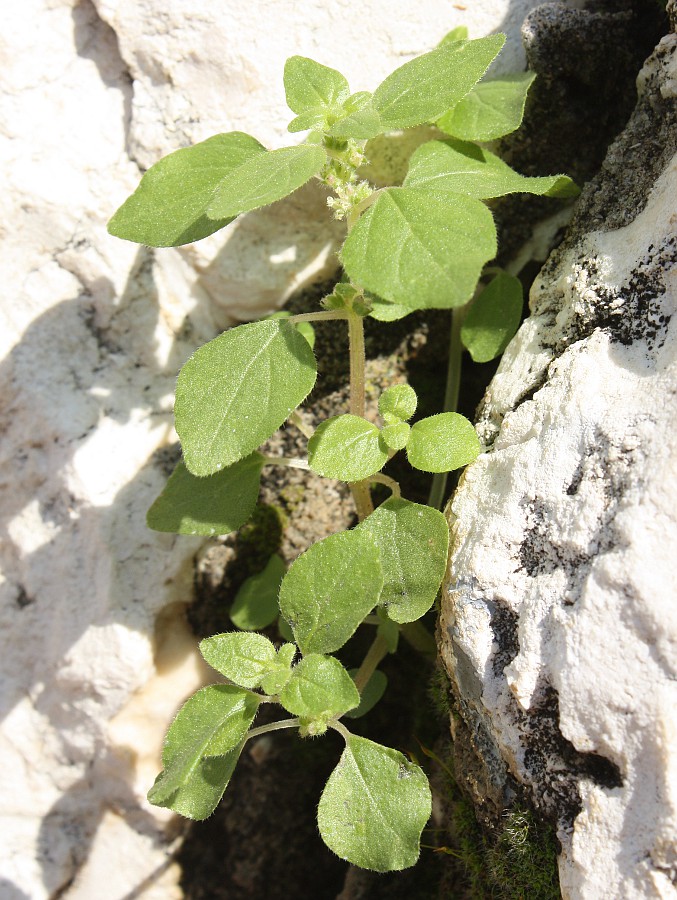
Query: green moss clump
x=260 y=537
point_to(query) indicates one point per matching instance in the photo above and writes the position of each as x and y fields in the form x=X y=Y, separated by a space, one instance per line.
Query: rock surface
x=94 y=651
x=558 y=627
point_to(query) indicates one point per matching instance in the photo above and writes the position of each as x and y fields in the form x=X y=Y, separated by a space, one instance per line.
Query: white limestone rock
x=559 y=628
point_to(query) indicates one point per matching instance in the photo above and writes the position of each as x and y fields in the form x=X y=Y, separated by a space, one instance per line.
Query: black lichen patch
x=504 y=624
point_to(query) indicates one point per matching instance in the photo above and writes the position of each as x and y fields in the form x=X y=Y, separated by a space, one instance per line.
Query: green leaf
x=307 y=121
x=265 y=178
x=493 y=108
x=244 y=657
x=217 y=504
x=284 y=629
x=458 y=167
x=396 y=436
x=211 y=723
x=361 y=125
x=493 y=318
x=309 y=85
x=346 y=447
x=374 y=807
x=413 y=541
x=385 y=311
x=399 y=401
x=372 y=692
x=442 y=443
x=319 y=688
x=304 y=328
x=236 y=391
x=169 y=206
x=389 y=631
x=460 y=33
x=420 y=249
x=329 y=590
x=281 y=672
x=255 y=604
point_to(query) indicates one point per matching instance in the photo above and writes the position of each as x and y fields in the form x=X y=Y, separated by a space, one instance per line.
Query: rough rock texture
x=94 y=650
x=558 y=627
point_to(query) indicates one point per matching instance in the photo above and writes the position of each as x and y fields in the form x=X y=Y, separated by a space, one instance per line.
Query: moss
x=260 y=537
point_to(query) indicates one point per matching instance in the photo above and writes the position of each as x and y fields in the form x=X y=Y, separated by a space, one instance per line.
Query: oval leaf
x=346 y=447
x=236 y=391
x=211 y=723
x=399 y=401
x=169 y=206
x=396 y=436
x=372 y=692
x=329 y=590
x=319 y=688
x=458 y=167
x=413 y=541
x=442 y=443
x=493 y=318
x=255 y=604
x=493 y=108
x=217 y=504
x=265 y=178
x=374 y=807
x=243 y=657
x=415 y=248
x=309 y=85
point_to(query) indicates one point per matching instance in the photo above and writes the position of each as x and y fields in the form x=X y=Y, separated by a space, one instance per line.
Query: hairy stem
x=274 y=726
x=295 y=419
x=377 y=651
x=290 y=461
x=322 y=316
x=359 y=489
x=388 y=481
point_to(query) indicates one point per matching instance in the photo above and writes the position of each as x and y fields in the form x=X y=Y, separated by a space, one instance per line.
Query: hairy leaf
x=396 y=436
x=329 y=590
x=319 y=688
x=399 y=401
x=374 y=807
x=169 y=206
x=493 y=318
x=308 y=85
x=255 y=604
x=280 y=674
x=419 y=249
x=493 y=108
x=413 y=541
x=346 y=447
x=235 y=391
x=458 y=167
x=217 y=504
x=442 y=443
x=460 y=33
x=244 y=657
x=265 y=178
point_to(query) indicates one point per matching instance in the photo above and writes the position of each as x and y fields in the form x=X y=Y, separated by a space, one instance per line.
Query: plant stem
x=323 y=315
x=290 y=461
x=388 y=481
x=439 y=483
x=295 y=419
x=419 y=637
x=359 y=489
x=377 y=651
x=274 y=726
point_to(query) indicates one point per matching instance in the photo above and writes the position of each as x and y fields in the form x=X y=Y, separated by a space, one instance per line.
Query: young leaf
x=442 y=443
x=374 y=807
x=217 y=504
x=242 y=656
x=372 y=692
x=396 y=436
x=460 y=33
x=399 y=401
x=493 y=108
x=235 y=391
x=319 y=688
x=493 y=318
x=420 y=249
x=346 y=447
x=329 y=590
x=211 y=723
x=413 y=541
x=458 y=167
x=265 y=178
x=362 y=124
x=309 y=85
x=168 y=208
x=280 y=674
x=308 y=121
x=255 y=604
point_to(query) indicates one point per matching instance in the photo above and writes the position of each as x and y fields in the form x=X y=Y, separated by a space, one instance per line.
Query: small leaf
x=236 y=391
x=169 y=206
x=372 y=692
x=242 y=656
x=346 y=447
x=459 y=167
x=265 y=178
x=217 y=504
x=309 y=85
x=396 y=436
x=304 y=328
x=319 y=688
x=307 y=121
x=329 y=590
x=400 y=401
x=442 y=443
x=374 y=807
x=493 y=318
x=419 y=249
x=284 y=629
x=413 y=541
x=278 y=676
x=493 y=108
x=255 y=604
x=211 y=723
x=460 y=33
x=361 y=125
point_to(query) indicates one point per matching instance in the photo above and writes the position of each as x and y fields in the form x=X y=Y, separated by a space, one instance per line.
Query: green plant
x=420 y=245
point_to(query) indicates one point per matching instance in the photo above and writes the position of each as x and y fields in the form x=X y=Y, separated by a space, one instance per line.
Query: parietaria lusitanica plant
x=419 y=245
